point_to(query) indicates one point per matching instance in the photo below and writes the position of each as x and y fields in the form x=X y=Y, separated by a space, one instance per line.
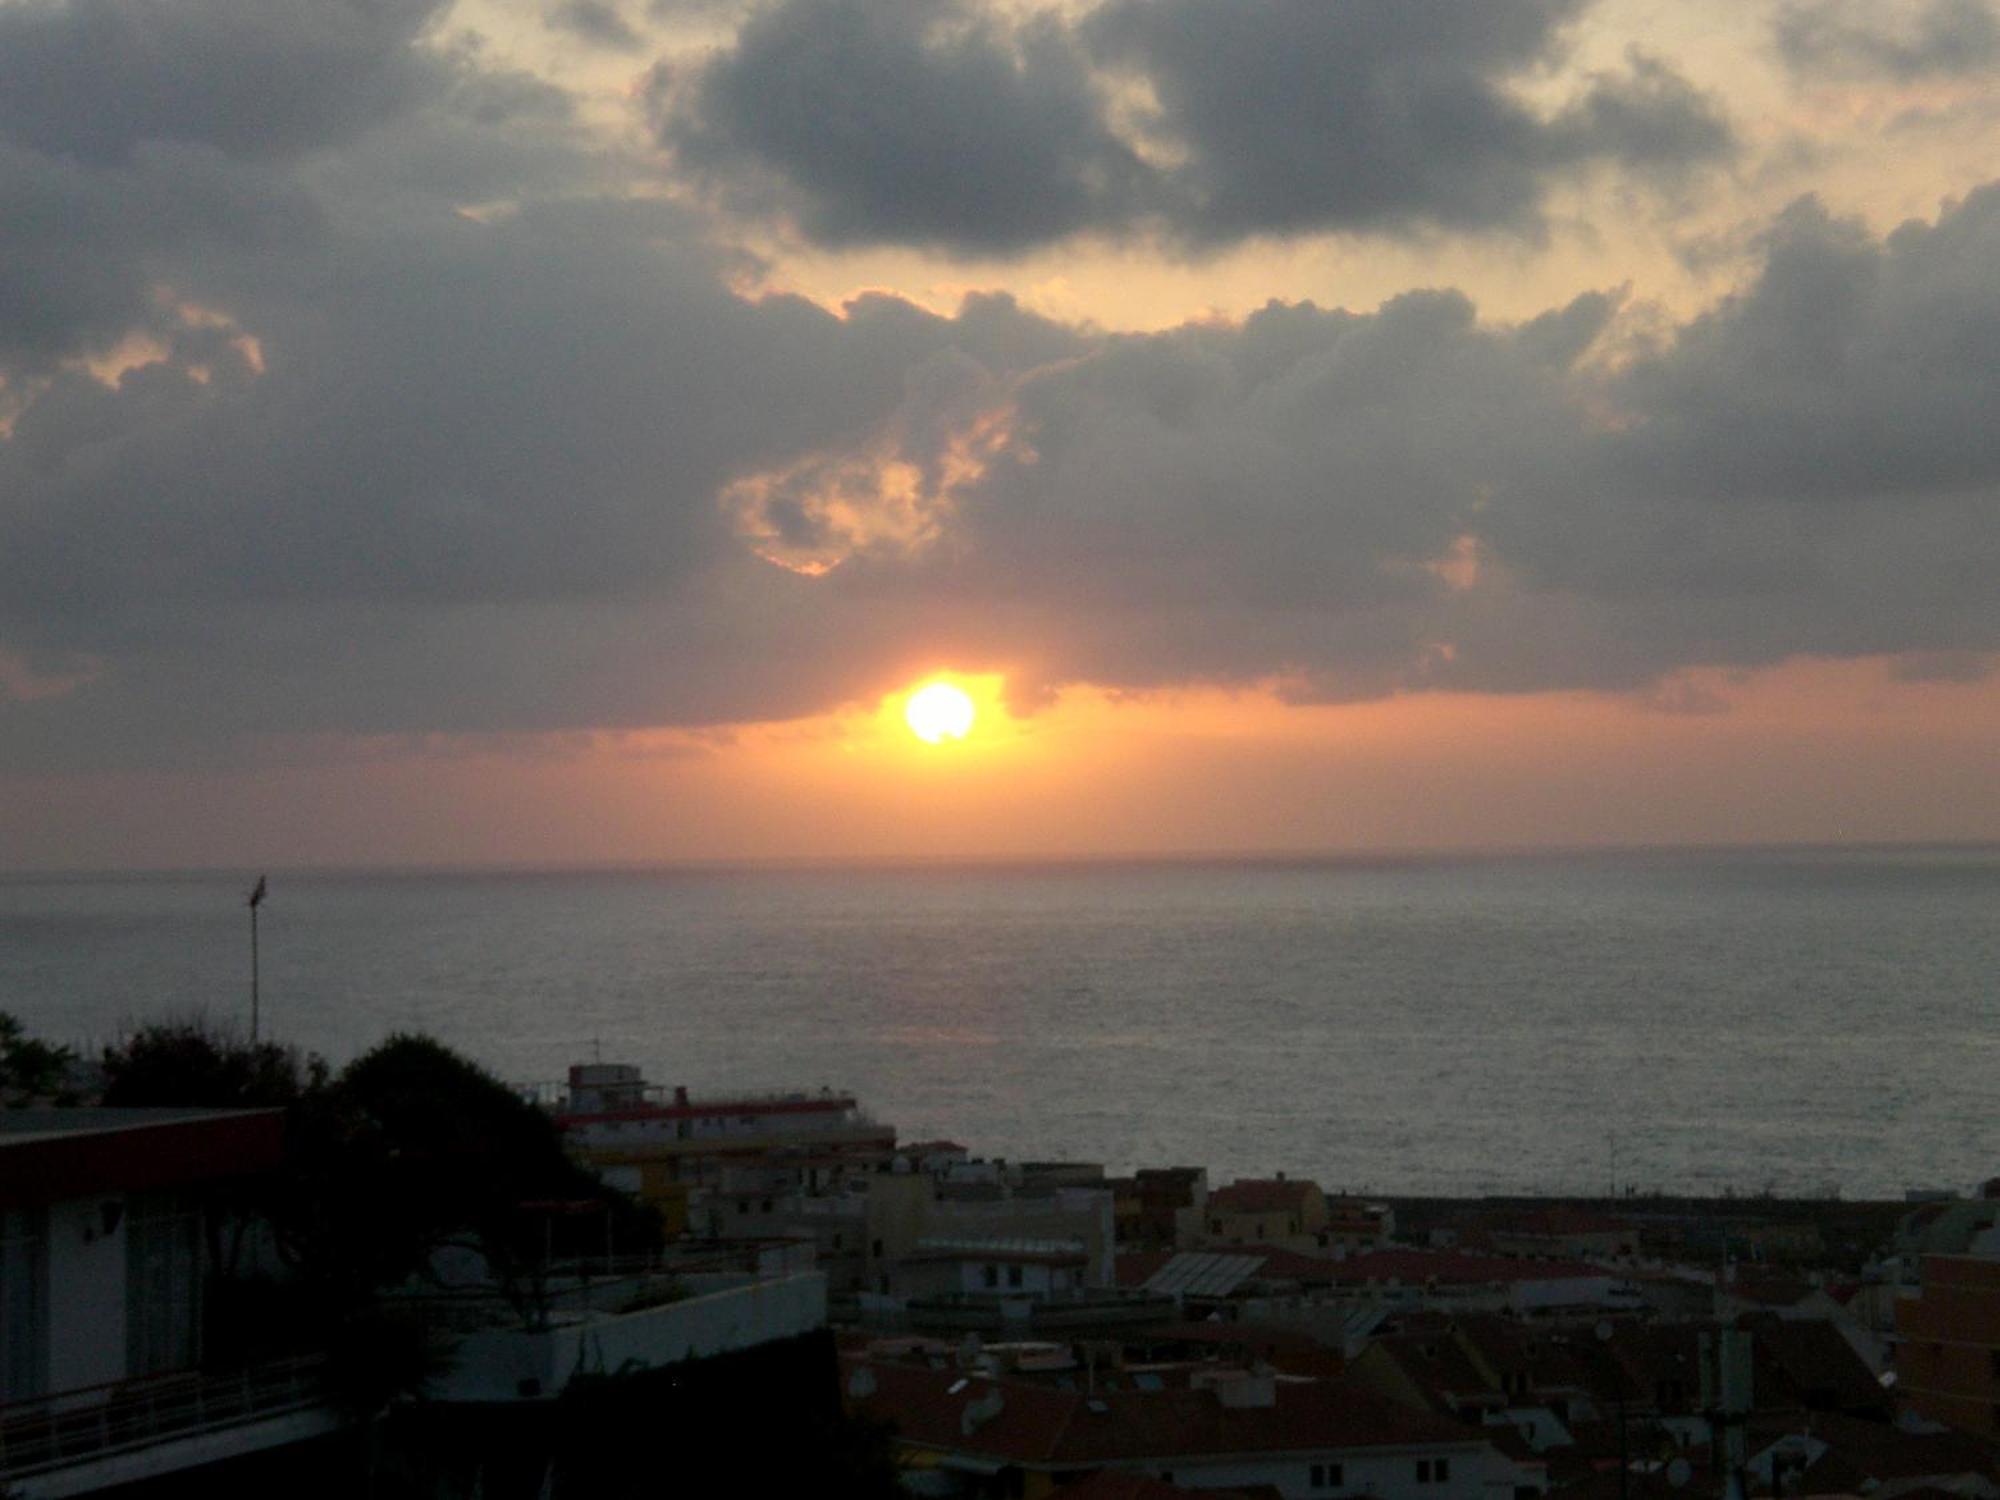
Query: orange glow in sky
x=1806 y=752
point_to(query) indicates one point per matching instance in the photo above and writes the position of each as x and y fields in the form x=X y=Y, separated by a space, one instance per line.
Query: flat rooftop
x=18 y=1125
x=51 y=1154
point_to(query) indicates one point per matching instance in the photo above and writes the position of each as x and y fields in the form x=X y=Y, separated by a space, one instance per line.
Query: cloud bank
x=1197 y=122
x=395 y=409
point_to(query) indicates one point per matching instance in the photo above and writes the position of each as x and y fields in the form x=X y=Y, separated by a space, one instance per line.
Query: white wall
x=86 y=1294
x=1477 y=1473
x=492 y=1366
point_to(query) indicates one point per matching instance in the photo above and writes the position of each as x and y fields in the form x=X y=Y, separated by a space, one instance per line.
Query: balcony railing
x=53 y=1432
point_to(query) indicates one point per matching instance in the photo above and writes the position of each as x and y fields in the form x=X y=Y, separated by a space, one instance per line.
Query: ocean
x=1802 y=1020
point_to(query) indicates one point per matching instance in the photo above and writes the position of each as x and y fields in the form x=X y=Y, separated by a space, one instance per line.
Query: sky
x=565 y=431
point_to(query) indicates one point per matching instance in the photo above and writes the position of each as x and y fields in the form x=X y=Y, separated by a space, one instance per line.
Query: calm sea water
x=1799 y=1019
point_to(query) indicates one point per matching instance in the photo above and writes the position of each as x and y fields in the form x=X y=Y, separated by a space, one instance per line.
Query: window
x=1013 y=1276
x=767 y=1205
x=24 y=1299
x=877 y=1250
x=162 y=1285
x=1423 y=1471
x=1441 y=1470
x=1333 y=1478
x=989 y=1275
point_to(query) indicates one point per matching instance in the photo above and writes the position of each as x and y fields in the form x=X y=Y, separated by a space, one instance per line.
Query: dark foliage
x=687 y=1427
x=193 y=1063
x=719 y=1409
x=31 y=1071
x=409 y=1149
x=436 y=1150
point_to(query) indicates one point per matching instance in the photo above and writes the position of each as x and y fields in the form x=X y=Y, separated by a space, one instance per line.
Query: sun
x=939 y=711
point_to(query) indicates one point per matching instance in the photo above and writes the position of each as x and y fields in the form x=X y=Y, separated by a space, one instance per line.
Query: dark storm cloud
x=1805 y=469
x=922 y=121
x=92 y=78
x=1290 y=116
x=1851 y=367
x=81 y=246
x=539 y=408
x=887 y=121
x=1863 y=38
x=448 y=432
x=135 y=137
x=1367 y=502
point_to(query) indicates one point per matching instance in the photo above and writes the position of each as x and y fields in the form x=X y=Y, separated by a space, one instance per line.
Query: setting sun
x=939 y=711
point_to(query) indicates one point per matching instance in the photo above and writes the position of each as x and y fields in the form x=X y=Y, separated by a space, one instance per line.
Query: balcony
x=79 y=1441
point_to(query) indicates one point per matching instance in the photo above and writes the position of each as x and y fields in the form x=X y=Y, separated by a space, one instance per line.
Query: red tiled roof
x=1419 y=1267
x=996 y=1254
x=1117 y=1484
x=1813 y=1357
x=1557 y=1222
x=1137 y=1267
x=1255 y=1336
x=1289 y=1265
x=1254 y=1195
x=74 y=1153
x=1032 y=1424
x=1861 y=1450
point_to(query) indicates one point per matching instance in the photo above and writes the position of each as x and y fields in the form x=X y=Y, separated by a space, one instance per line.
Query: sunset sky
x=567 y=430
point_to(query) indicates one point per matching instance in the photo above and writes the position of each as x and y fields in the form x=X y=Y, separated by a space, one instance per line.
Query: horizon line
x=802 y=863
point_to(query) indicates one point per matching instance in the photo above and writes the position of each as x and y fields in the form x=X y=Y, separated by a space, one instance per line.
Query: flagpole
x=256 y=900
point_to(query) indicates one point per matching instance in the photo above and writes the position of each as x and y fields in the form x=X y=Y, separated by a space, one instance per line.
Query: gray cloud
x=399 y=468
x=1862 y=38
x=923 y=121
x=1294 y=117
x=1943 y=666
x=889 y=121
x=257 y=78
x=595 y=21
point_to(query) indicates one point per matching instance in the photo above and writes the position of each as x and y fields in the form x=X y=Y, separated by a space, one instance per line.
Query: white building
x=101 y=1271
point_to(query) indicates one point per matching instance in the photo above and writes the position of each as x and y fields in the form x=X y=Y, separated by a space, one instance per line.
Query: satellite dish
x=1604 y=1330
x=1679 y=1472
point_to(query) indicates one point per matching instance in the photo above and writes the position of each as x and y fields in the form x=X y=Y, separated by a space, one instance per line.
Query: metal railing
x=52 y=1432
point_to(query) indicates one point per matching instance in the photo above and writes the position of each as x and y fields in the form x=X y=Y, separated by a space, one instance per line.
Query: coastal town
x=776 y=1293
